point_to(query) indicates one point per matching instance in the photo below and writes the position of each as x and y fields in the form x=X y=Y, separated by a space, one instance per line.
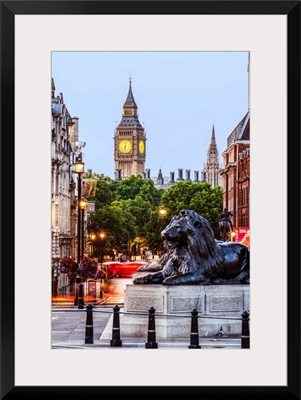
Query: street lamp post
x=102 y=236
x=56 y=263
x=162 y=213
x=79 y=168
x=124 y=249
x=83 y=206
x=97 y=241
x=92 y=237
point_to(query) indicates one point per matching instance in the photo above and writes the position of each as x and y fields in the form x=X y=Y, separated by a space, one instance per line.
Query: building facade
x=65 y=148
x=236 y=172
x=243 y=182
x=62 y=189
x=129 y=141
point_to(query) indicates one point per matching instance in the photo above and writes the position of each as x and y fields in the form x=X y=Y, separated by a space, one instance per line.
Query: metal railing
x=151 y=342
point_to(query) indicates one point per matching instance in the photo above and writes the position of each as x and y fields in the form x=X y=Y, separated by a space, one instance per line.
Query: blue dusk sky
x=180 y=96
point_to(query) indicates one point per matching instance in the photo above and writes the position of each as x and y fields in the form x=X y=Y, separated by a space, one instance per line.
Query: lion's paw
x=138 y=280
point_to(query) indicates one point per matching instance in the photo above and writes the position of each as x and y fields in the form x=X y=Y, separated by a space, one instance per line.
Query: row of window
x=125 y=133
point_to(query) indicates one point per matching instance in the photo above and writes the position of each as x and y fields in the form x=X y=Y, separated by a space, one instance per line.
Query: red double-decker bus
x=116 y=269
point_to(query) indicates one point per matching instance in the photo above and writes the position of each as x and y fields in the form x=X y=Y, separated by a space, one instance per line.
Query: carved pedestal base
x=217 y=305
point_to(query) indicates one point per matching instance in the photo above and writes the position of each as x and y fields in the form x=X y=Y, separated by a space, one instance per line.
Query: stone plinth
x=217 y=305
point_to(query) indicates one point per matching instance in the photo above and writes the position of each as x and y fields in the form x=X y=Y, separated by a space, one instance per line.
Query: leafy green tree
x=117 y=224
x=140 y=211
x=197 y=196
x=123 y=209
x=129 y=208
x=137 y=186
x=154 y=228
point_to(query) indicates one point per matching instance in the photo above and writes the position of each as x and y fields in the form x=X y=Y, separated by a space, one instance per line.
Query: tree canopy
x=197 y=196
x=129 y=209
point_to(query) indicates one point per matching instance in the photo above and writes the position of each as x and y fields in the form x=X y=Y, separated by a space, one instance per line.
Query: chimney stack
x=180 y=174
x=196 y=176
x=172 y=177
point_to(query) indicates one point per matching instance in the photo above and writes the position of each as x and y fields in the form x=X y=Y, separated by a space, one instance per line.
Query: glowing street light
x=79 y=168
x=102 y=235
x=162 y=211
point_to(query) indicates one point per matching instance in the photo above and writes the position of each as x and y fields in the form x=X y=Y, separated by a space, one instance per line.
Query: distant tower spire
x=210 y=172
x=213 y=137
x=160 y=179
x=212 y=153
x=130 y=101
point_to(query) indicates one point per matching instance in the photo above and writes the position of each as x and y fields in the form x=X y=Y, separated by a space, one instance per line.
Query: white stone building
x=63 y=187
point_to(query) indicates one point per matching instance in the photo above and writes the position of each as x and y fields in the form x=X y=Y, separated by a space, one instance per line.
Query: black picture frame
x=9 y=9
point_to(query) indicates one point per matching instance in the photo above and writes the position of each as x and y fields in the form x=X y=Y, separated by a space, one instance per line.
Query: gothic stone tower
x=211 y=170
x=129 y=141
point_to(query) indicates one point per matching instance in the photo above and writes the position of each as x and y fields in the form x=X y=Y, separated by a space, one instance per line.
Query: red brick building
x=243 y=186
x=236 y=173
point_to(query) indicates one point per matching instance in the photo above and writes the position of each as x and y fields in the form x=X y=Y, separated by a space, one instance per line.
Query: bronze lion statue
x=195 y=257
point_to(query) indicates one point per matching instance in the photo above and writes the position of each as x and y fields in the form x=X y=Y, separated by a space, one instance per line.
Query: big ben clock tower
x=129 y=140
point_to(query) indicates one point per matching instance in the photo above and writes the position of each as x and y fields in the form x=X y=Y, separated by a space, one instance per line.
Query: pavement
x=69 y=330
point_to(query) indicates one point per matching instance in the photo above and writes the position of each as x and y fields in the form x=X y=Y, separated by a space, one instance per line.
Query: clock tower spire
x=129 y=140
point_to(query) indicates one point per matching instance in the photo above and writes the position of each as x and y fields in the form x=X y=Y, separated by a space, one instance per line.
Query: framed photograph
x=31 y=31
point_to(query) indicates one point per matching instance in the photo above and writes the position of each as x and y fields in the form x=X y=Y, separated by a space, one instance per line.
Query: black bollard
x=151 y=333
x=116 y=342
x=194 y=332
x=89 y=338
x=81 y=296
x=245 y=332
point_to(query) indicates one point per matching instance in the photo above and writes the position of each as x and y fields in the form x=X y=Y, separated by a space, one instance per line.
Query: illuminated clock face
x=141 y=146
x=125 y=146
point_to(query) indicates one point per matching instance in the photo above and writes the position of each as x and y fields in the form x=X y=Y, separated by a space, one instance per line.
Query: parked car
x=116 y=269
